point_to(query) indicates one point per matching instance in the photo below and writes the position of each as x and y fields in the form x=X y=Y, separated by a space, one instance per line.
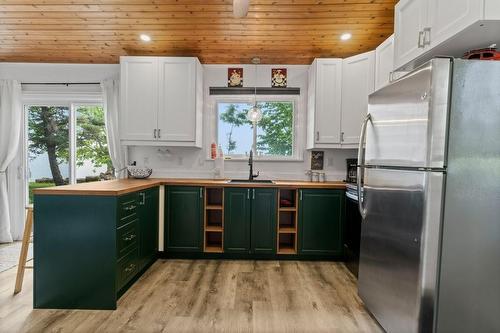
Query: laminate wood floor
x=208 y=296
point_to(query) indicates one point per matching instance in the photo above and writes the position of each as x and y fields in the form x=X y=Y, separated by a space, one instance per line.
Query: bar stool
x=24 y=249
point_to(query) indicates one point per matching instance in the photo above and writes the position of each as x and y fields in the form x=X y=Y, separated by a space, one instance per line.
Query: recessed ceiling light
x=346 y=36
x=145 y=38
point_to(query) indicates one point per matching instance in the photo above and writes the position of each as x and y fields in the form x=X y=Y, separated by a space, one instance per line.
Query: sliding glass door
x=66 y=144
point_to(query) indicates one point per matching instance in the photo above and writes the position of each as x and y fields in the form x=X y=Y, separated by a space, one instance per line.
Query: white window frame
x=69 y=100
x=250 y=99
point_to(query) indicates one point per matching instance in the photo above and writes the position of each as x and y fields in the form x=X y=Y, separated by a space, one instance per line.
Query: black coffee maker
x=352 y=170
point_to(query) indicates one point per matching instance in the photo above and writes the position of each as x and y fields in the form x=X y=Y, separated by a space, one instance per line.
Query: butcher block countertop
x=124 y=186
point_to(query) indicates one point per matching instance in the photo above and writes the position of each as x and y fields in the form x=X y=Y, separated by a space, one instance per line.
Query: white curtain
x=111 y=101
x=10 y=130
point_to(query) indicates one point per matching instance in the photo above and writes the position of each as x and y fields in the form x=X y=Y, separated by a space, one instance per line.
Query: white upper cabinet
x=428 y=28
x=324 y=103
x=447 y=17
x=358 y=82
x=384 y=62
x=177 y=112
x=139 y=97
x=161 y=101
x=410 y=21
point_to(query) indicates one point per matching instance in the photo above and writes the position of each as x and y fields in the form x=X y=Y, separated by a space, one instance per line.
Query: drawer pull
x=129 y=238
x=131 y=207
x=129 y=268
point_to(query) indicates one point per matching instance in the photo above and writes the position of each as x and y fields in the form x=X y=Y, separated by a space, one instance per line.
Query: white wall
x=192 y=162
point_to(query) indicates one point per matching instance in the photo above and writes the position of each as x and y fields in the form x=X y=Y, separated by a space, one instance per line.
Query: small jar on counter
x=315 y=177
x=322 y=177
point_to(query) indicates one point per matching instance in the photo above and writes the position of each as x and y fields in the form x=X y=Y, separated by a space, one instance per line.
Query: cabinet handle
x=201 y=193
x=159 y=133
x=143 y=195
x=427 y=36
x=130 y=268
x=391 y=76
x=131 y=207
x=420 y=40
x=253 y=193
x=317 y=135
x=248 y=194
x=154 y=133
x=342 y=136
x=129 y=238
x=300 y=195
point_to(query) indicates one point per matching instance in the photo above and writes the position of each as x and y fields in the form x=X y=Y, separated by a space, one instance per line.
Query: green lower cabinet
x=184 y=219
x=237 y=220
x=148 y=211
x=321 y=217
x=263 y=225
x=250 y=220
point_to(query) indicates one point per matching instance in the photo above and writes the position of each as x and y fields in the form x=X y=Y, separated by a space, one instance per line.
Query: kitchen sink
x=248 y=181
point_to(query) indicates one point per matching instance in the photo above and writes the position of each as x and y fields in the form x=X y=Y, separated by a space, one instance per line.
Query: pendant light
x=255 y=113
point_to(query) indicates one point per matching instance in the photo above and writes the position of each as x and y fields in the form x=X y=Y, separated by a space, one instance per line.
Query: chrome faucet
x=250 y=163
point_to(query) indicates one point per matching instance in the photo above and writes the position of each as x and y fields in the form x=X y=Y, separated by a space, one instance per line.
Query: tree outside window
x=274 y=130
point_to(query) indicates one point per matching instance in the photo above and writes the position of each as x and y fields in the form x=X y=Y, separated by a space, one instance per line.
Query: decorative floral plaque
x=235 y=77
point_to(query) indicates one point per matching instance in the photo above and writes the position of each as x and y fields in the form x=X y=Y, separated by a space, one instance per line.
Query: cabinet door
x=448 y=17
x=328 y=101
x=410 y=21
x=139 y=97
x=184 y=216
x=321 y=214
x=148 y=225
x=237 y=220
x=384 y=62
x=264 y=215
x=358 y=80
x=177 y=89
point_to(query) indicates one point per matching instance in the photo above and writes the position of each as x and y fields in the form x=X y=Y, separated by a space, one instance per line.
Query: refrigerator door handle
x=361 y=163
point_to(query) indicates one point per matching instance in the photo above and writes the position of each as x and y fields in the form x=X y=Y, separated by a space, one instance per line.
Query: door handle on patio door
x=361 y=164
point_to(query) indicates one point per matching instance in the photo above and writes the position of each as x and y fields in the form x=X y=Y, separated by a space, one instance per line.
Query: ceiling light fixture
x=346 y=36
x=240 y=8
x=145 y=38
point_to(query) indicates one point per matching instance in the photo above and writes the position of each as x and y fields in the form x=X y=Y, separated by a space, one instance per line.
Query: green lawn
x=33 y=185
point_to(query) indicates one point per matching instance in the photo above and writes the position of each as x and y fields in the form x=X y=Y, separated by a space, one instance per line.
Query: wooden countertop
x=124 y=186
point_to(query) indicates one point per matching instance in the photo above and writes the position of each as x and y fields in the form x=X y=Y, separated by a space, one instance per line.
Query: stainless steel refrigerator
x=430 y=237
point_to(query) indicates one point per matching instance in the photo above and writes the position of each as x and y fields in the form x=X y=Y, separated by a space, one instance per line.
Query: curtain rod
x=59 y=83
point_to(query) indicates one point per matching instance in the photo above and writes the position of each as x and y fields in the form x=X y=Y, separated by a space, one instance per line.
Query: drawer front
x=127 y=208
x=127 y=237
x=127 y=267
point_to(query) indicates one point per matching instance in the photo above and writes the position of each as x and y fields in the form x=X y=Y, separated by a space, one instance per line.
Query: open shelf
x=287 y=243
x=287 y=221
x=288 y=209
x=214 y=249
x=213 y=228
x=213 y=207
x=214 y=196
x=287 y=230
x=213 y=241
x=287 y=199
x=214 y=220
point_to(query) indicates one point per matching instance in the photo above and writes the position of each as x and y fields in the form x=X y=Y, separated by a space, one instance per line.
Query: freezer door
x=399 y=247
x=409 y=119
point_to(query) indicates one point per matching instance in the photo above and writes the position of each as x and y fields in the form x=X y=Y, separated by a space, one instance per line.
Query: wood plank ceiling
x=277 y=31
